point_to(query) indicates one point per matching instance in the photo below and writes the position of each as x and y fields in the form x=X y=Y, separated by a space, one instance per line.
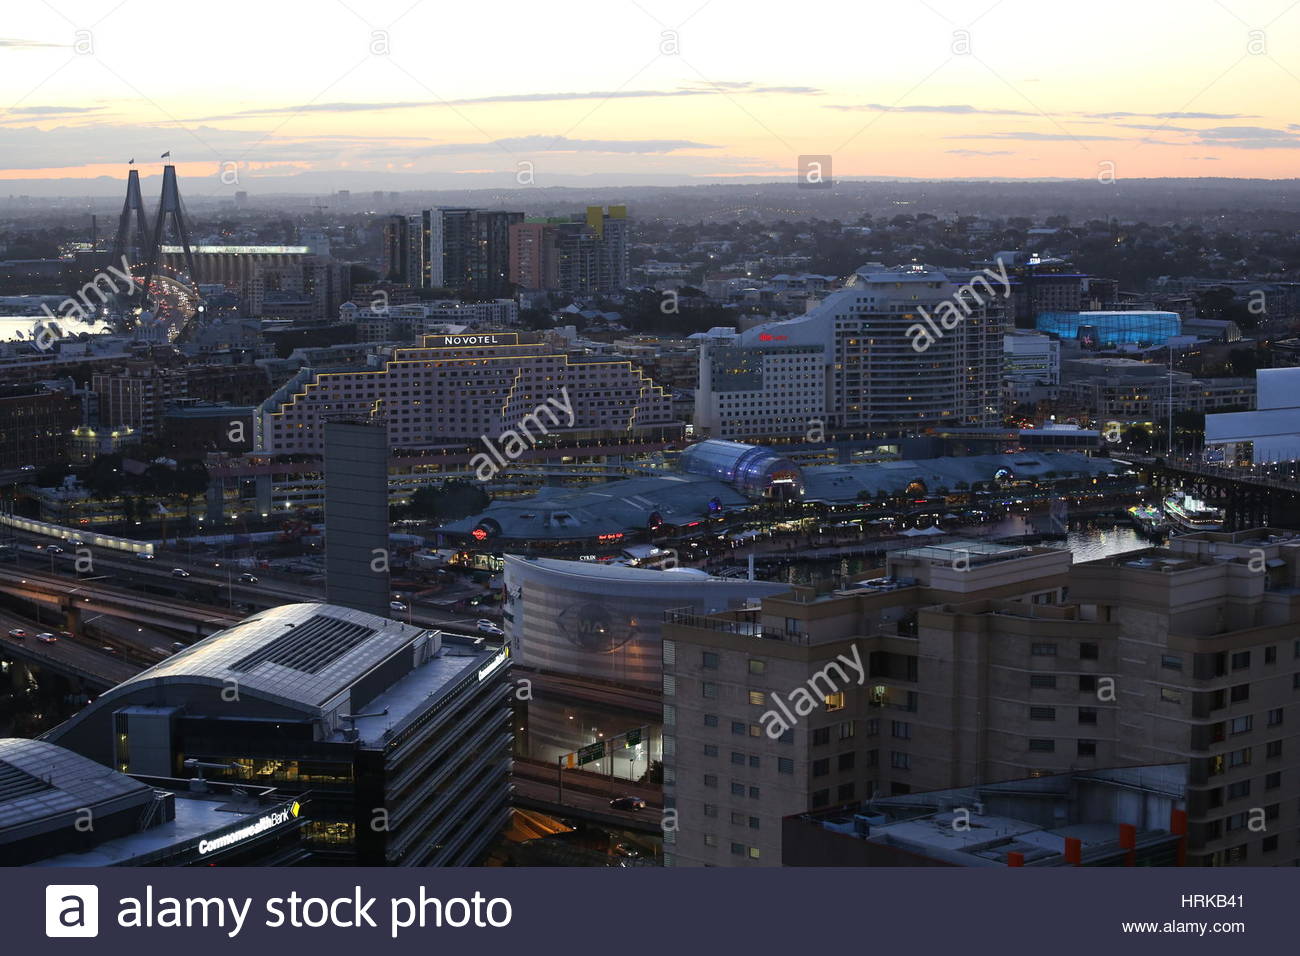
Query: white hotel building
x=849 y=363
x=459 y=388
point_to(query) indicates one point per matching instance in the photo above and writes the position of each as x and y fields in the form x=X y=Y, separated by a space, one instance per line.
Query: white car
x=487 y=627
x=396 y=606
x=180 y=573
x=46 y=637
x=143 y=556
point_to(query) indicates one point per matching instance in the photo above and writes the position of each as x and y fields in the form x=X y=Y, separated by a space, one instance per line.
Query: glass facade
x=752 y=469
x=1113 y=328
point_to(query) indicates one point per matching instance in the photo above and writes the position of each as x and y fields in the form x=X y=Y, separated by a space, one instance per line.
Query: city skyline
x=647 y=93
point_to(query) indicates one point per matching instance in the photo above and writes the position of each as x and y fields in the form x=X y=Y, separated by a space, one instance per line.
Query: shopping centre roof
x=843 y=483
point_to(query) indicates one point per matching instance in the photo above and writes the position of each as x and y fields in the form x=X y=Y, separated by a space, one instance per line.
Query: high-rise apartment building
x=733 y=771
x=857 y=364
x=467 y=251
x=533 y=256
x=582 y=255
x=402 y=259
x=971 y=664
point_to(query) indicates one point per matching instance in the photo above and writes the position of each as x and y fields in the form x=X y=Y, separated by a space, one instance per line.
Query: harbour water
x=1087 y=541
x=21 y=327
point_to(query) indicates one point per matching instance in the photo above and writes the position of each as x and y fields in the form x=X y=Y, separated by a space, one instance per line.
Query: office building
x=310 y=287
x=605 y=621
x=1040 y=284
x=850 y=366
x=470 y=387
x=398 y=735
x=36 y=425
x=1127 y=390
x=356 y=514
x=139 y=392
x=1031 y=365
x=445 y=316
x=976 y=668
x=58 y=808
x=1270 y=433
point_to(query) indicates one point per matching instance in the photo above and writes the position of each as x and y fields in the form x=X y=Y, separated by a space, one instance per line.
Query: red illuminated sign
x=610 y=537
x=769 y=337
x=479 y=534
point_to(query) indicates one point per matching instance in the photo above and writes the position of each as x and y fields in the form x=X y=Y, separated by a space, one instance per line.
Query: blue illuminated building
x=751 y=469
x=1113 y=328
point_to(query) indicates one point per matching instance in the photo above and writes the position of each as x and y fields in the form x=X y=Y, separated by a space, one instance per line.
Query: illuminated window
x=834 y=701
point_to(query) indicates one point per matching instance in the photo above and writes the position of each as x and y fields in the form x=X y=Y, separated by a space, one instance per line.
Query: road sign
x=591 y=752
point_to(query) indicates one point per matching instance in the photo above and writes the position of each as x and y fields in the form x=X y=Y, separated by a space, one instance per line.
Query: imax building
x=849 y=366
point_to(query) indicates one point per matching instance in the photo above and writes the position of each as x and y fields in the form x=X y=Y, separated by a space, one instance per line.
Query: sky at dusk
x=651 y=88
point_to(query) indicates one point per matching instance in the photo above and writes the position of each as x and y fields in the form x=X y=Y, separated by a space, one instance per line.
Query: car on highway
x=180 y=573
x=17 y=633
x=247 y=578
x=46 y=637
x=109 y=650
x=143 y=556
x=54 y=549
x=67 y=634
x=487 y=627
x=627 y=803
x=396 y=606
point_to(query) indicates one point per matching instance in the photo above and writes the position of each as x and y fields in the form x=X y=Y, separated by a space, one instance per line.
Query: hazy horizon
x=647 y=92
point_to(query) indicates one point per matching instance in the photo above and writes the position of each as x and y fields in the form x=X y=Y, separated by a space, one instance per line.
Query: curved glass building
x=1113 y=328
x=751 y=469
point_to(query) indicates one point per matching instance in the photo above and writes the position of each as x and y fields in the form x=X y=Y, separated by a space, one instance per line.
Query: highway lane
x=93 y=597
x=64 y=655
x=272 y=588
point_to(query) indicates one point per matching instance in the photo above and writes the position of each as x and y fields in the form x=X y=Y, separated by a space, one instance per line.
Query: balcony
x=745 y=622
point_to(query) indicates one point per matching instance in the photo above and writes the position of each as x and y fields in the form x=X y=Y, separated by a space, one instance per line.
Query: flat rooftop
x=971 y=552
x=197 y=814
x=411 y=694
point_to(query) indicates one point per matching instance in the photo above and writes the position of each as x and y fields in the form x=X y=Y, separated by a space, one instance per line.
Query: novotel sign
x=452 y=340
x=268 y=821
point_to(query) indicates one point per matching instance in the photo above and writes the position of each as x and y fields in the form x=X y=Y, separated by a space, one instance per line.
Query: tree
x=1138 y=435
x=189 y=480
x=452 y=500
x=104 y=477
